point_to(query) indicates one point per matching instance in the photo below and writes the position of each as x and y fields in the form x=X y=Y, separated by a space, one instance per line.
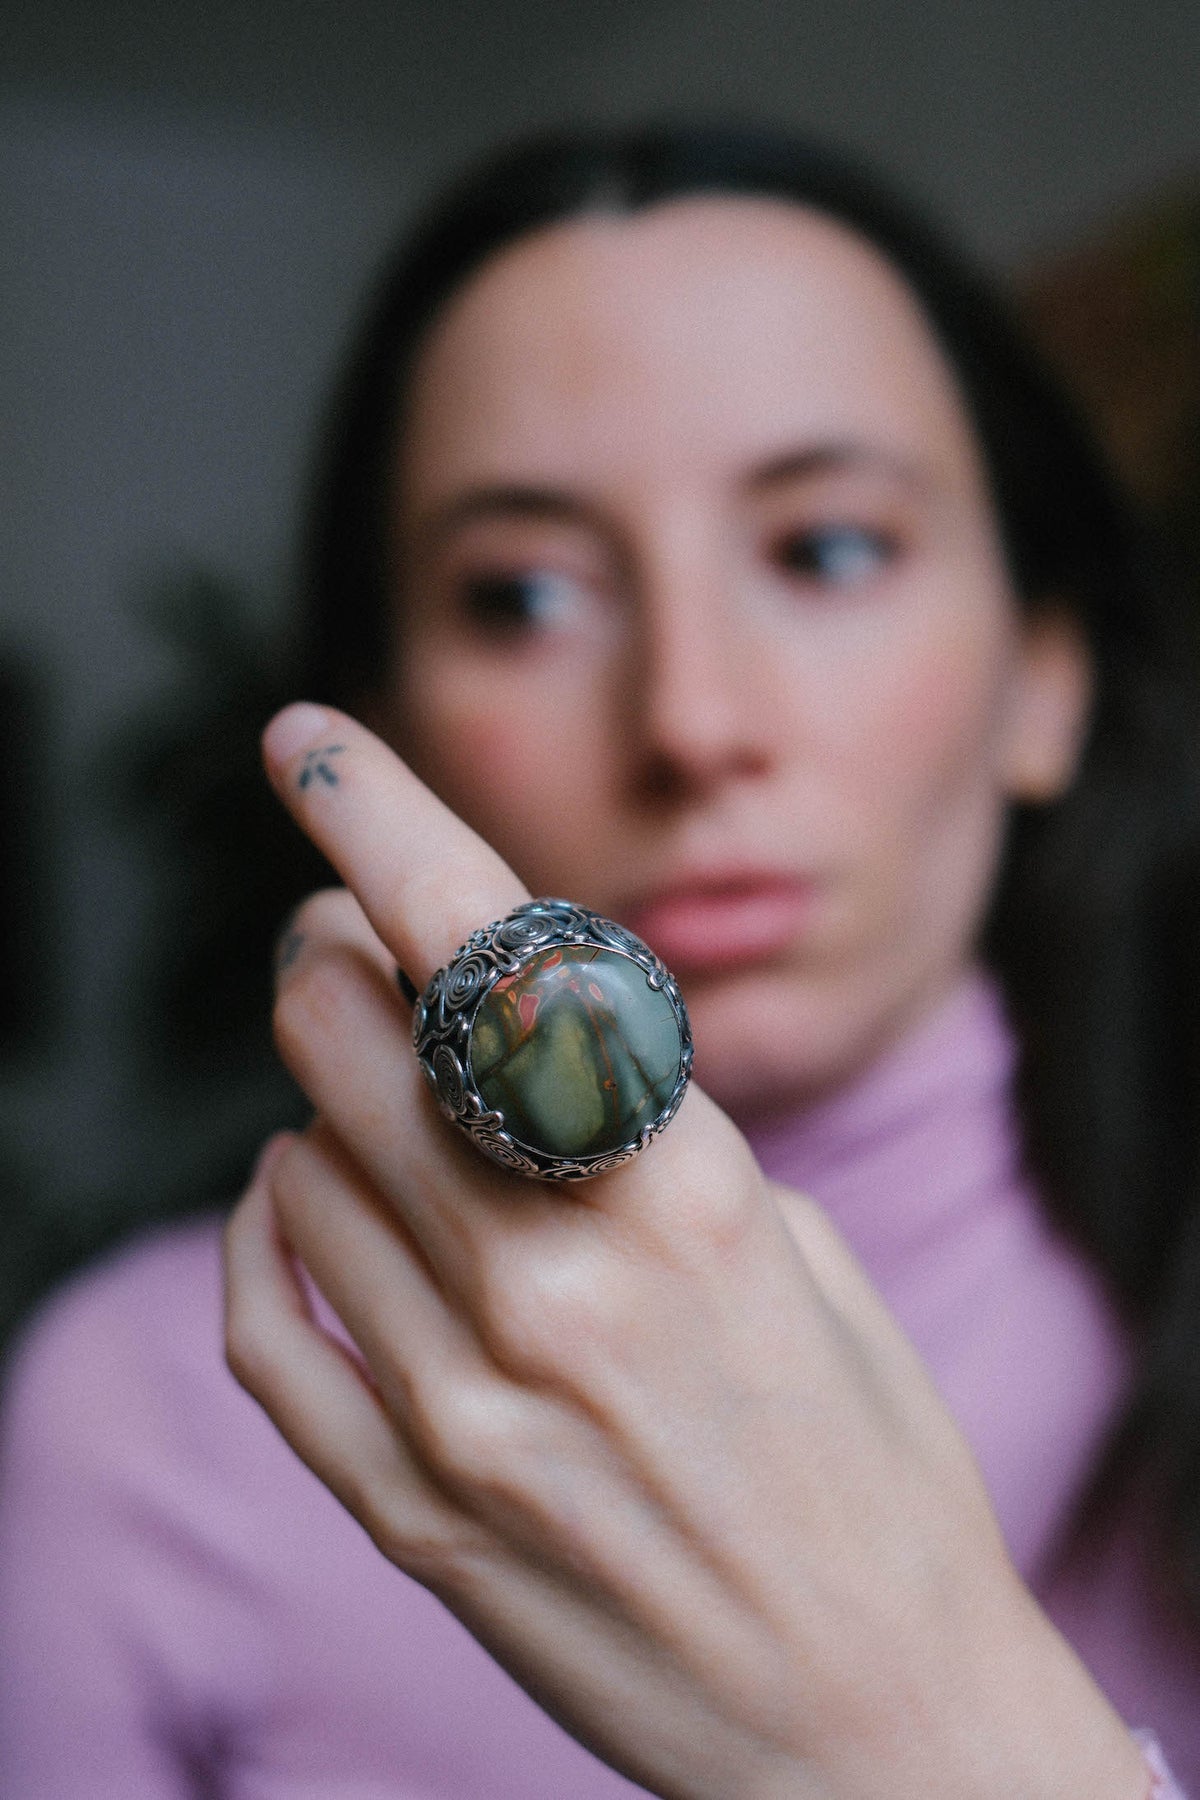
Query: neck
x=927 y=1122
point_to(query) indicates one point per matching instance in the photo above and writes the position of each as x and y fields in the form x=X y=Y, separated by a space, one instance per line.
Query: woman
x=702 y=536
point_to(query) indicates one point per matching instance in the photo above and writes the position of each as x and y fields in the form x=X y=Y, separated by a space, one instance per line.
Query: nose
x=702 y=714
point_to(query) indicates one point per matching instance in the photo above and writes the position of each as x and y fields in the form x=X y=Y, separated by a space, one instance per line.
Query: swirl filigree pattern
x=464 y=981
x=449 y=1079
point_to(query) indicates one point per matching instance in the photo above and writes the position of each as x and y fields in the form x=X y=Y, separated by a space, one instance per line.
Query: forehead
x=696 y=334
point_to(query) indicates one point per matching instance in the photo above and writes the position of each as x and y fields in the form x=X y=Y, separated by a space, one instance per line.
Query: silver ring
x=557 y=1040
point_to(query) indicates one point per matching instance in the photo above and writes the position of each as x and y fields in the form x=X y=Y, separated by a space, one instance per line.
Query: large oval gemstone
x=577 y=1051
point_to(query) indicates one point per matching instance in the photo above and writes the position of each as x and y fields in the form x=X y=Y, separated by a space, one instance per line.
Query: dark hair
x=1094 y=930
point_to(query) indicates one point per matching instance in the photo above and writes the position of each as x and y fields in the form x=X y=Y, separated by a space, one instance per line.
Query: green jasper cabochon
x=577 y=1051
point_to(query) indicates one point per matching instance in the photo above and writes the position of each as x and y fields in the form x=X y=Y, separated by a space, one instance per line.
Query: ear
x=1051 y=707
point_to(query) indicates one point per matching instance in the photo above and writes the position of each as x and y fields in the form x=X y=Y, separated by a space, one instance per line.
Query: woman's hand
x=655 y=1440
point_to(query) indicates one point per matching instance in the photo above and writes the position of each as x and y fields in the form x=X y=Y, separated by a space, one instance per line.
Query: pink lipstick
x=721 y=922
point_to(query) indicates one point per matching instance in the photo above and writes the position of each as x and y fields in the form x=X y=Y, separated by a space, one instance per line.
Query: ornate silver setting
x=445 y=1013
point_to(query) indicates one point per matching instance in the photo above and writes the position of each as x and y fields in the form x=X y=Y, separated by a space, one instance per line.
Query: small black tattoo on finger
x=318 y=768
x=288 y=949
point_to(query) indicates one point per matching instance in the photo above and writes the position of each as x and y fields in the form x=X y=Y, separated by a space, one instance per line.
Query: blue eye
x=511 y=603
x=841 y=554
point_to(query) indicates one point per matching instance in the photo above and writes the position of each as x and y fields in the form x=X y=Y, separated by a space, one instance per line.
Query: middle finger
x=343 y=1031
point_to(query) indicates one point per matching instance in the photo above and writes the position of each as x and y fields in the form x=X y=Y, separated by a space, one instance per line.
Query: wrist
x=1060 y=1731
x=1162 y=1784
x=1055 y=1734
x=1019 y=1714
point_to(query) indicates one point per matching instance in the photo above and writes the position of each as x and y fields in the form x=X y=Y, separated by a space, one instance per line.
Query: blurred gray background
x=192 y=200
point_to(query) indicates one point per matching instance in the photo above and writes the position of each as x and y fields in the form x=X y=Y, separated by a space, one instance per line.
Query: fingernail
x=293 y=730
x=269 y=1155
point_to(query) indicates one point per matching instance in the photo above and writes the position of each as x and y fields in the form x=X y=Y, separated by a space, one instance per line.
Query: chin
x=767 y=1044
x=770 y=1042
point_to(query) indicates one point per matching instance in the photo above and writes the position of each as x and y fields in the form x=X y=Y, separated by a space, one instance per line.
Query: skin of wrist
x=1022 y=1720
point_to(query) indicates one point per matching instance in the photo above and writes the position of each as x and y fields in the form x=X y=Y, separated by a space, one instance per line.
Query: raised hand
x=654 y=1439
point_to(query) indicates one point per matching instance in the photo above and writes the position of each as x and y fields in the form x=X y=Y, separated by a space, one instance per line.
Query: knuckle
x=309 y=1003
x=293 y=1179
x=329 y=914
x=810 y=1228
x=325 y=910
x=402 y=1519
x=436 y=1546
x=723 y=1219
x=546 y=1317
x=250 y=1355
x=703 y=1224
x=319 y=911
x=461 y=1430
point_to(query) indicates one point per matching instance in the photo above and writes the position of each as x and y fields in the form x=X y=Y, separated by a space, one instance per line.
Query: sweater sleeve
x=77 y=1708
x=121 y=1645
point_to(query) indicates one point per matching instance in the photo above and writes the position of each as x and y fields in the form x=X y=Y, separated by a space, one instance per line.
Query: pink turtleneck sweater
x=185 y=1611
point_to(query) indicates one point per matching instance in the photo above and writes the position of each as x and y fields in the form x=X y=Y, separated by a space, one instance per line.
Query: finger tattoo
x=288 y=949
x=317 y=766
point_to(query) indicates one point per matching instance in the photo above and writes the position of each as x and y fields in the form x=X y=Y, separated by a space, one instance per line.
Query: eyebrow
x=834 y=458
x=506 y=500
x=534 y=501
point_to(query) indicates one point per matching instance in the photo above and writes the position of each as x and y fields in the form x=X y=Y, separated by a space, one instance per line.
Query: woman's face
x=705 y=621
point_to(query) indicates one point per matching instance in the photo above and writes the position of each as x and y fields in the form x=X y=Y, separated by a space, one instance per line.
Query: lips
x=722 y=922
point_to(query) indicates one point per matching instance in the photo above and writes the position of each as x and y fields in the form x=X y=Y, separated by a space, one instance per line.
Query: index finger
x=424 y=879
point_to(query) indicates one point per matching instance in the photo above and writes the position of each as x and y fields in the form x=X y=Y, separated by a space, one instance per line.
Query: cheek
x=937 y=717
x=478 y=758
x=925 y=776
x=939 y=730
x=507 y=759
